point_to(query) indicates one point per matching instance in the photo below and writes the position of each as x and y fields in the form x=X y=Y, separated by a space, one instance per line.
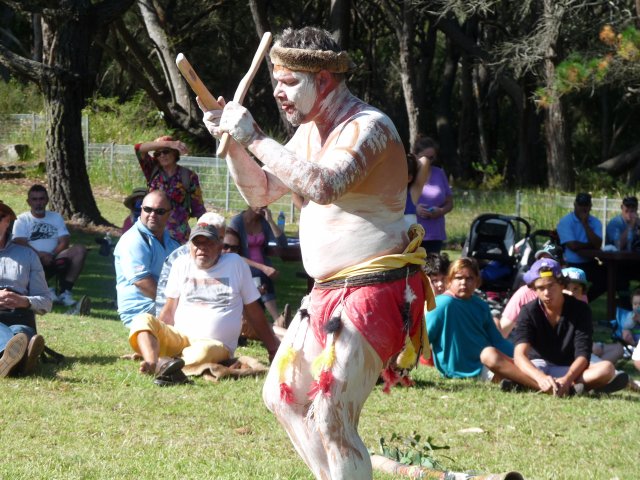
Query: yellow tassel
x=407 y=357
x=325 y=360
x=285 y=360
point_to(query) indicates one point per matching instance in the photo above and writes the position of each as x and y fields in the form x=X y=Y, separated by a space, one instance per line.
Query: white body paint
x=347 y=163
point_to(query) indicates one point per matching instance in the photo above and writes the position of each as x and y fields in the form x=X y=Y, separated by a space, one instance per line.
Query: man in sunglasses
x=139 y=256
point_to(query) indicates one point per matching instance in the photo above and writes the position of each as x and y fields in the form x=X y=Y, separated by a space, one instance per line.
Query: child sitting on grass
x=577 y=286
x=437 y=268
x=631 y=326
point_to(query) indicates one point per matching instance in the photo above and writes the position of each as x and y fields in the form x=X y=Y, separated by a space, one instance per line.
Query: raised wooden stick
x=192 y=78
x=243 y=86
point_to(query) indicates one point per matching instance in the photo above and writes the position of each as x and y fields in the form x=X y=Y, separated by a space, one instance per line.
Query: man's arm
x=346 y=160
x=63 y=244
x=546 y=383
x=255 y=316
x=167 y=315
x=576 y=368
x=147 y=286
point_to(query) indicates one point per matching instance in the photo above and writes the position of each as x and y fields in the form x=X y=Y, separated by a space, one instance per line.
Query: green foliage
x=124 y=122
x=16 y=97
x=492 y=176
x=411 y=450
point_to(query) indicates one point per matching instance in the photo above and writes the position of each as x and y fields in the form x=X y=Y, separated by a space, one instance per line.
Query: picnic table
x=612 y=260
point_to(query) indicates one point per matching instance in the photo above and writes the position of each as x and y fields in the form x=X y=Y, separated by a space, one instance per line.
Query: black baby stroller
x=492 y=242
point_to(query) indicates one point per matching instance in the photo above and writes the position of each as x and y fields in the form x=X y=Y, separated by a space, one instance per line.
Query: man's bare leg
x=76 y=254
x=503 y=367
x=149 y=349
x=324 y=432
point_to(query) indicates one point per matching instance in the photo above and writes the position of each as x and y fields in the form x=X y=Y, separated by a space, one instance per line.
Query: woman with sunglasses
x=181 y=185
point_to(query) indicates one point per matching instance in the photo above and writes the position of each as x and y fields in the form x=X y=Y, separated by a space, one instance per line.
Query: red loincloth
x=375 y=310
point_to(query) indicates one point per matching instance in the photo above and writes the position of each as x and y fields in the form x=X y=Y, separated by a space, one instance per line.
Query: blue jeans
x=7 y=333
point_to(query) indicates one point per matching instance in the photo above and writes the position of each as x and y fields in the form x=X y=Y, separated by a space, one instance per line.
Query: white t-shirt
x=210 y=302
x=636 y=353
x=41 y=233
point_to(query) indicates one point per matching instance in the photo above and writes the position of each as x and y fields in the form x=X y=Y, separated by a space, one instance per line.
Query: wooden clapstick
x=192 y=78
x=243 y=86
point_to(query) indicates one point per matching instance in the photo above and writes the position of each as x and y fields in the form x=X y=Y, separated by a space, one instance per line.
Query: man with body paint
x=346 y=166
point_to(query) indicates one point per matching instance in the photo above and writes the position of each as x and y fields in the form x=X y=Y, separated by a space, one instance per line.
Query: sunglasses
x=157 y=211
x=233 y=248
x=166 y=151
x=2 y=215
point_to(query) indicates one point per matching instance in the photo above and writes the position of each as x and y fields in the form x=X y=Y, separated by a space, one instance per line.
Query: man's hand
x=46 y=258
x=583 y=216
x=239 y=123
x=564 y=386
x=211 y=118
x=10 y=300
x=270 y=272
x=547 y=384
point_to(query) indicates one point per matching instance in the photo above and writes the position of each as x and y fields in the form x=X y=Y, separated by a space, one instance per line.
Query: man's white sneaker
x=66 y=299
x=52 y=292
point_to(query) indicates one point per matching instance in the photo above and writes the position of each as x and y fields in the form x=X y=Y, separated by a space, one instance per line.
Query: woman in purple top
x=435 y=200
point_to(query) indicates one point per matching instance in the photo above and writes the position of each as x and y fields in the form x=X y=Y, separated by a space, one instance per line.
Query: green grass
x=95 y=417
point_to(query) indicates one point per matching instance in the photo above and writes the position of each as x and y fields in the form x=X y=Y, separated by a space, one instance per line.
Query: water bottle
x=281 y=220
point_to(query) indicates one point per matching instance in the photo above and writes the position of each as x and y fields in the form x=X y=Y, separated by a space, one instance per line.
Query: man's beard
x=296 y=118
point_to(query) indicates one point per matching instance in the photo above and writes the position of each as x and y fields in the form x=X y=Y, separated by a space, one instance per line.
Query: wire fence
x=116 y=167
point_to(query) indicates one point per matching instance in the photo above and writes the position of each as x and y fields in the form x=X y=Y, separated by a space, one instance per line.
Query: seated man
x=553 y=339
x=524 y=294
x=464 y=339
x=210 y=218
x=23 y=293
x=139 y=255
x=623 y=233
x=46 y=233
x=579 y=231
x=201 y=320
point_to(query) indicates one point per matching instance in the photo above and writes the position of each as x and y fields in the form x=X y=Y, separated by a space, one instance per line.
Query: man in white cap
x=201 y=320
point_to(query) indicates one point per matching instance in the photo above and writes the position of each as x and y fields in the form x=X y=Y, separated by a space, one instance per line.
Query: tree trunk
x=67 y=42
x=261 y=21
x=67 y=178
x=559 y=168
x=167 y=56
x=448 y=154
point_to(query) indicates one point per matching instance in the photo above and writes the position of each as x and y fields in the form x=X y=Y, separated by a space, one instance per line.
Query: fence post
x=604 y=218
x=33 y=126
x=111 y=161
x=227 y=192
x=85 y=134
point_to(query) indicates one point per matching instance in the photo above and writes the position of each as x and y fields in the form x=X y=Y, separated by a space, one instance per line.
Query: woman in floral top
x=181 y=185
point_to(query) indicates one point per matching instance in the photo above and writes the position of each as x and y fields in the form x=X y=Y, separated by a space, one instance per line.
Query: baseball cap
x=583 y=199
x=204 y=229
x=574 y=274
x=545 y=267
x=552 y=250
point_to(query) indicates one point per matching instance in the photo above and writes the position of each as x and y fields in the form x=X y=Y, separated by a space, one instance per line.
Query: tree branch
x=621 y=162
x=21 y=66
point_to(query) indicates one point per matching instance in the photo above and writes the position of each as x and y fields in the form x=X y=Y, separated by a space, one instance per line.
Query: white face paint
x=296 y=92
